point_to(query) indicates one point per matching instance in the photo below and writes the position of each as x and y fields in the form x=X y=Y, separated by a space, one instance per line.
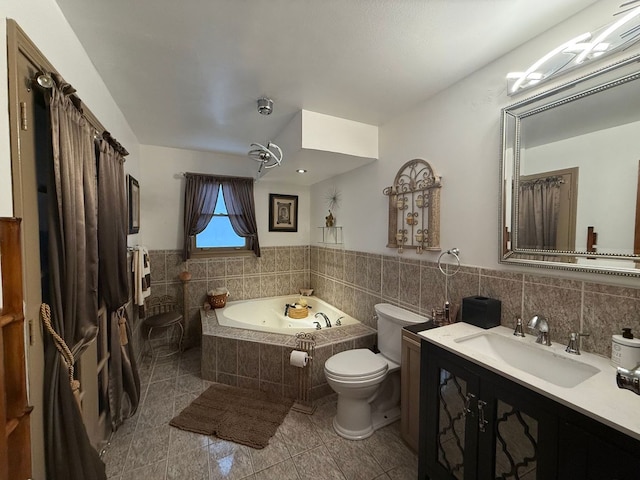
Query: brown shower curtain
x=538 y=211
x=73 y=263
x=124 y=381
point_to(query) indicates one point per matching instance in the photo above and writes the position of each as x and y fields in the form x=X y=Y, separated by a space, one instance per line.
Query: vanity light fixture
x=580 y=50
x=608 y=31
x=532 y=70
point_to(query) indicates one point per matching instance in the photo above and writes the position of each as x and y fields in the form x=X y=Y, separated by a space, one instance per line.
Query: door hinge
x=30 y=333
x=23 y=116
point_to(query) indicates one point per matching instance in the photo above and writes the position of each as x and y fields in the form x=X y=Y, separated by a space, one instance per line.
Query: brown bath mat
x=249 y=417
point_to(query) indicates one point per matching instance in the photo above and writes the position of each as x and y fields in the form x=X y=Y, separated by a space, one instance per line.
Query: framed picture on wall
x=283 y=213
x=134 y=205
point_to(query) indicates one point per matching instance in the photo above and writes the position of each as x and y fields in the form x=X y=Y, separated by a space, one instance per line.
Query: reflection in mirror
x=570 y=175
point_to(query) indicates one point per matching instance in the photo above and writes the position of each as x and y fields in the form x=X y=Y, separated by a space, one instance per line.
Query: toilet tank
x=391 y=319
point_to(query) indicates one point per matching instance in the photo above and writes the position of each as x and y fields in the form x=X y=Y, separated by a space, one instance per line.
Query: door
x=566 y=235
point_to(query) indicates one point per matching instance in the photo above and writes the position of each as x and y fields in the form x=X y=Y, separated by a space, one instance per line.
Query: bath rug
x=240 y=415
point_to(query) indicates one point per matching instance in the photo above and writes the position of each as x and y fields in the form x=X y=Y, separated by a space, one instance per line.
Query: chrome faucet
x=518 y=330
x=574 y=343
x=326 y=319
x=540 y=325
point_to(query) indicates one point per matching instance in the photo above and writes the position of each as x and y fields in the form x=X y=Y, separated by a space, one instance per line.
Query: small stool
x=163 y=313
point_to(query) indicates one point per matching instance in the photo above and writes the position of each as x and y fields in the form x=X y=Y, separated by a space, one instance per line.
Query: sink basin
x=532 y=359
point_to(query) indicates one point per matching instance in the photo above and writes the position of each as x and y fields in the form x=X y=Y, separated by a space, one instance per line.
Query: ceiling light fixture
x=269 y=156
x=265 y=106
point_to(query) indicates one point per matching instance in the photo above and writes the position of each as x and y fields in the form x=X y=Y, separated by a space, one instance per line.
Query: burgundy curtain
x=124 y=380
x=238 y=197
x=201 y=193
x=73 y=263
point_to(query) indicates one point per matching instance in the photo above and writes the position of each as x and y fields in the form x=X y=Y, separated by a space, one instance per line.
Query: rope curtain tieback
x=122 y=326
x=63 y=348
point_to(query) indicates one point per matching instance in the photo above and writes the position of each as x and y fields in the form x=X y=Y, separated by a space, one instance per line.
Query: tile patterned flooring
x=145 y=447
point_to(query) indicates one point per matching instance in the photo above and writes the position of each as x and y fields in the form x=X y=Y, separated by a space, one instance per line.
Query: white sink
x=537 y=360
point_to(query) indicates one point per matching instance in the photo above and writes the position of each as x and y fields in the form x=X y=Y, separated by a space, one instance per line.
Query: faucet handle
x=518 y=332
x=573 y=346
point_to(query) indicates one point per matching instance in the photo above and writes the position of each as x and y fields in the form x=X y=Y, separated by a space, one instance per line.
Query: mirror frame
x=602 y=79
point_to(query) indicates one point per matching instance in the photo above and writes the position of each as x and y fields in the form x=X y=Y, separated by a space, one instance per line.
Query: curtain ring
x=455 y=252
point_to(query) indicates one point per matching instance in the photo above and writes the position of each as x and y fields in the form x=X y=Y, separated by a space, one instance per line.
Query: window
x=231 y=218
x=219 y=234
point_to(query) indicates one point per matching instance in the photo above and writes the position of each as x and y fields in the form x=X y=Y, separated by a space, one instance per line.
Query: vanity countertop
x=597 y=397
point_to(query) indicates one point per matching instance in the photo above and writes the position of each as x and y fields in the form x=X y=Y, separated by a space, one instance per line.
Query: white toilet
x=367 y=383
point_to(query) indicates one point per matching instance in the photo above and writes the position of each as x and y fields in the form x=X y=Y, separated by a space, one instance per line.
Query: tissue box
x=482 y=312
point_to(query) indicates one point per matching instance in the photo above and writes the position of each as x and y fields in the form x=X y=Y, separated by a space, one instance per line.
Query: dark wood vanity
x=478 y=424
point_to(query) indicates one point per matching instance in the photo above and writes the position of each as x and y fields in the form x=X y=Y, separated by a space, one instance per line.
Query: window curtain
x=124 y=380
x=538 y=211
x=201 y=193
x=238 y=197
x=73 y=263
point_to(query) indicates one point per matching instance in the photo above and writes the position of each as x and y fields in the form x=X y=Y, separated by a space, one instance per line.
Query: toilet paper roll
x=299 y=359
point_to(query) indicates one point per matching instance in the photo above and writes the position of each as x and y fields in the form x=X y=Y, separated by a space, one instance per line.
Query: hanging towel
x=141 y=277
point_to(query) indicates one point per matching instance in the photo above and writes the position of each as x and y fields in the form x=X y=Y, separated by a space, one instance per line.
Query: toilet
x=367 y=383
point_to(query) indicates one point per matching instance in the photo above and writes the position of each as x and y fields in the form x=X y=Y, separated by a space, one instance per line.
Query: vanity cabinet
x=410 y=383
x=410 y=389
x=476 y=424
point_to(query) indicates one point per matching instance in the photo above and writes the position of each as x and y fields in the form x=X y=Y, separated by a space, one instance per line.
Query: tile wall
x=279 y=271
x=355 y=281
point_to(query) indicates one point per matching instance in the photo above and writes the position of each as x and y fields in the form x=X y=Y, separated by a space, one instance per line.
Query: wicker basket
x=298 y=313
x=218 y=301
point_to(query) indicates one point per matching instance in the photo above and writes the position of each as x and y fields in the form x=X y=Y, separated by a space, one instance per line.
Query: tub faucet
x=326 y=319
x=540 y=325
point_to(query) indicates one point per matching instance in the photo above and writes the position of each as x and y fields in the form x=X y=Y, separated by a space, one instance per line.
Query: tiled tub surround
x=355 y=281
x=279 y=271
x=260 y=360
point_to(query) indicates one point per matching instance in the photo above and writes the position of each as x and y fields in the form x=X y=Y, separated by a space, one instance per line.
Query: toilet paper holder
x=305 y=342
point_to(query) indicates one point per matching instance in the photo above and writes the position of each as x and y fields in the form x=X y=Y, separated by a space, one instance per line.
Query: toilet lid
x=356 y=363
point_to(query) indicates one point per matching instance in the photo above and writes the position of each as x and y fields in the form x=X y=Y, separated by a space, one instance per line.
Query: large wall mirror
x=570 y=175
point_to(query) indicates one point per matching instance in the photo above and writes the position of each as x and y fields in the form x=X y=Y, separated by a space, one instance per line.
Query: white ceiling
x=187 y=73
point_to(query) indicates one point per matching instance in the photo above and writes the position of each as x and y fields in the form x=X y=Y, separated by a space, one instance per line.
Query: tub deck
x=260 y=360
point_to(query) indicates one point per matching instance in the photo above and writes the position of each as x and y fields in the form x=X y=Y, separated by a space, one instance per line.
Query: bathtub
x=267 y=315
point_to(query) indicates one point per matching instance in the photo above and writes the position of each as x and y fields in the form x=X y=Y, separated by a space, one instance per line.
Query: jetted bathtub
x=267 y=315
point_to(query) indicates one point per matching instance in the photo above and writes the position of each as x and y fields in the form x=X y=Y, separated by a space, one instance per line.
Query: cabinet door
x=448 y=423
x=516 y=437
x=599 y=454
x=410 y=389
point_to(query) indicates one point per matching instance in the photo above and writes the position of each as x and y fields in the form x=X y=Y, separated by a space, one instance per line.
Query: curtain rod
x=185 y=174
x=47 y=81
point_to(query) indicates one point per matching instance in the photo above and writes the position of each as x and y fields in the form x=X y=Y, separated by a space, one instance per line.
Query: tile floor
x=304 y=447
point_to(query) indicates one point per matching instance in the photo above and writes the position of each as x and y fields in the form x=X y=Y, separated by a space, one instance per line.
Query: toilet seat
x=356 y=365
